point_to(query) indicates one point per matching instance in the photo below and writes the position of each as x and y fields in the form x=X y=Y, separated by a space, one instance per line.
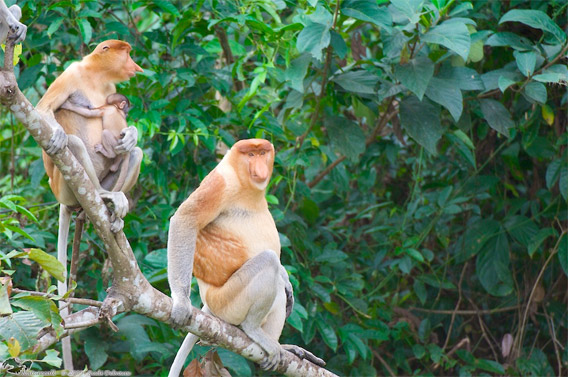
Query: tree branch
x=130 y=289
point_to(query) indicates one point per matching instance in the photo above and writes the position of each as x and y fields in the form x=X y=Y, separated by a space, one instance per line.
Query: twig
x=533 y=290
x=228 y=53
x=461 y=343
x=82 y=324
x=457 y=306
x=555 y=342
x=79 y=301
x=384 y=363
x=467 y=312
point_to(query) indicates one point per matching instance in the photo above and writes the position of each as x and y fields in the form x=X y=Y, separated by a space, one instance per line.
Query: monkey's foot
x=117 y=203
x=303 y=354
x=181 y=313
x=57 y=142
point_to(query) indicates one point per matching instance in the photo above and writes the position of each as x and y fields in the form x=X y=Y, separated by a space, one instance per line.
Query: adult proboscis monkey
x=93 y=78
x=225 y=234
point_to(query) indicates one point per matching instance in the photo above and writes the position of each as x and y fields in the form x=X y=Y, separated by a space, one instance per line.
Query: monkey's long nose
x=259 y=172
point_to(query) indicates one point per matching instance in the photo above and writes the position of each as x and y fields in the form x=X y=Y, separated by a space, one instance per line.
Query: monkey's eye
x=262 y=153
x=251 y=154
x=105 y=48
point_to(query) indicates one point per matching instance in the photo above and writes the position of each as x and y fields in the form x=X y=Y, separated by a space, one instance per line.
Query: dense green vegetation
x=420 y=186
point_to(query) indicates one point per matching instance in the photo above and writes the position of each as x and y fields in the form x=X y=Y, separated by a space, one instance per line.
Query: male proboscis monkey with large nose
x=226 y=235
x=94 y=79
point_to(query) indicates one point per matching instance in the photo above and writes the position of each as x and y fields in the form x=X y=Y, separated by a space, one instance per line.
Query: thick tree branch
x=130 y=289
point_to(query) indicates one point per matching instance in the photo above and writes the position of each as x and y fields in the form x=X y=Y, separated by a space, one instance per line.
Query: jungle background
x=420 y=186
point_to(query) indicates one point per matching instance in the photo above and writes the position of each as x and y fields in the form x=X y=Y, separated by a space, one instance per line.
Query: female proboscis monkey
x=225 y=235
x=93 y=78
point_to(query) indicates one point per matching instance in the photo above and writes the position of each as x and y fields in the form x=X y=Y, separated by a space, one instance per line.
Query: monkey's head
x=253 y=160
x=120 y=101
x=112 y=59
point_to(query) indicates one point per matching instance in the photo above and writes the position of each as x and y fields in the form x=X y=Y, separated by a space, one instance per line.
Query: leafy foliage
x=420 y=187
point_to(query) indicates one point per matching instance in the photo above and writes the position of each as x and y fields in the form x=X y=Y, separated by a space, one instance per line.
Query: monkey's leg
x=184 y=351
x=118 y=199
x=253 y=294
x=62 y=236
x=107 y=145
x=125 y=178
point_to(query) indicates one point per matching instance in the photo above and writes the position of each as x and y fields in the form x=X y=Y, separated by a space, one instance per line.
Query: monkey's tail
x=183 y=351
x=62 y=237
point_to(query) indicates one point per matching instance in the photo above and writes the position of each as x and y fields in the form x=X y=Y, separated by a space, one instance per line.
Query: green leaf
x=234 y=362
x=521 y=228
x=562 y=254
x=461 y=8
x=446 y=93
x=48 y=262
x=51 y=358
x=563 y=182
x=452 y=35
x=167 y=6
x=367 y=10
x=504 y=83
x=315 y=36
x=338 y=44
x=328 y=334
x=526 y=62
x=96 y=350
x=477 y=233
x=297 y=70
x=410 y=8
x=536 y=91
x=54 y=26
x=422 y=122
x=44 y=308
x=357 y=81
x=492 y=266
x=536 y=19
x=86 y=30
x=497 y=116
x=539 y=238
x=415 y=75
x=552 y=173
x=509 y=39
x=420 y=291
x=490 y=366
x=23 y=326
x=346 y=136
x=465 y=78
x=557 y=73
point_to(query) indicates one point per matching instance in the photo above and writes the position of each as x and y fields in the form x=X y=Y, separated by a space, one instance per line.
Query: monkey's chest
x=234 y=237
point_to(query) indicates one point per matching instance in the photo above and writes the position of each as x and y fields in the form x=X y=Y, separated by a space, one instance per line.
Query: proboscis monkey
x=225 y=234
x=113 y=115
x=9 y=21
x=94 y=79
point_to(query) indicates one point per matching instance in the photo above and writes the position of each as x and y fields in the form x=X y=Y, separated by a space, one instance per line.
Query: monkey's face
x=255 y=161
x=114 y=58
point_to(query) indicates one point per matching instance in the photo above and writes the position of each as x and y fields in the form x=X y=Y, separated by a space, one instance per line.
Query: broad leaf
x=557 y=73
x=465 y=78
x=504 y=83
x=23 y=326
x=497 y=116
x=367 y=10
x=357 y=81
x=452 y=35
x=563 y=254
x=446 y=93
x=315 y=36
x=410 y=8
x=422 y=122
x=536 y=19
x=346 y=136
x=526 y=61
x=415 y=75
x=509 y=39
x=536 y=91
x=297 y=71
x=492 y=266
x=48 y=262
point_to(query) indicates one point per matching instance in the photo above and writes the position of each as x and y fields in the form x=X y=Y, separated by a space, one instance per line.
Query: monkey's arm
x=289 y=291
x=83 y=111
x=201 y=208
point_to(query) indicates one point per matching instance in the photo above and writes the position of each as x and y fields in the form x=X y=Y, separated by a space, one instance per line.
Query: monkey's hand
x=18 y=29
x=129 y=138
x=181 y=312
x=58 y=140
x=118 y=206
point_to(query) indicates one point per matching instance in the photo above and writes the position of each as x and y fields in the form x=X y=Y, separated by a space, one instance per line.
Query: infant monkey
x=113 y=115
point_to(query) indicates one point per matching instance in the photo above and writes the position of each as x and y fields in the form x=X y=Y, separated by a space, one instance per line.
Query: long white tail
x=183 y=351
x=62 y=237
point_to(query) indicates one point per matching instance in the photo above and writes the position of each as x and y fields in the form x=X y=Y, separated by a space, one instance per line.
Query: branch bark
x=130 y=290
